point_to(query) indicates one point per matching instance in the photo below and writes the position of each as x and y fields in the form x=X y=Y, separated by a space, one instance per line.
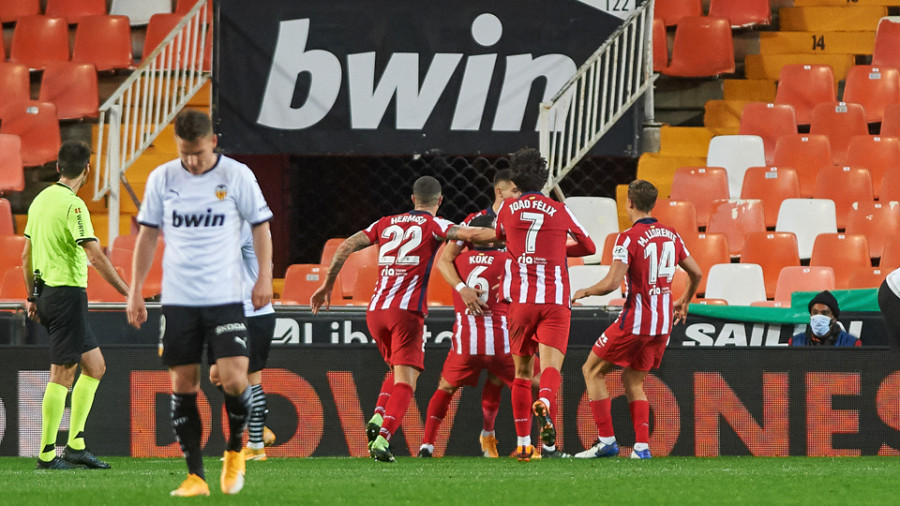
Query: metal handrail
x=599 y=93
x=135 y=114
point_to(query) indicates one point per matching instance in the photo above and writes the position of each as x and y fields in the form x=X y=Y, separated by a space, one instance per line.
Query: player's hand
x=136 y=311
x=261 y=294
x=679 y=312
x=579 y=294
x=472 y=299
x=322 y=295
x=31 y=311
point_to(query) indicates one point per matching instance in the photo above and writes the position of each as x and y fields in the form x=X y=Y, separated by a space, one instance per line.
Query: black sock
x=238 y=409
x=188 y=430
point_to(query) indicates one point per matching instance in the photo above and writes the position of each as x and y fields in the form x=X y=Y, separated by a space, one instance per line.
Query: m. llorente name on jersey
x=197 y=220
x=655 y=232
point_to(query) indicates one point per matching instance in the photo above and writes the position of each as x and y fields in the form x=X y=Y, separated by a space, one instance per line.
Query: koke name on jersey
x=536 y=205
x=481 y=259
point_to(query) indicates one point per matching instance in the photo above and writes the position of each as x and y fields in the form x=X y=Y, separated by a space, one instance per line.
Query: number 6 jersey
x=652 y=252
x=407 y=244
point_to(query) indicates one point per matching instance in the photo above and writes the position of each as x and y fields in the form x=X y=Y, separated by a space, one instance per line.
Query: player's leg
x=553 y=334
x=93 y=366
x=521 y=406
x=437 y=410
x=490 y=406
x=595 y=370
x=633 y=382
x=53 y=406
x=381 y=334
x=260 y=330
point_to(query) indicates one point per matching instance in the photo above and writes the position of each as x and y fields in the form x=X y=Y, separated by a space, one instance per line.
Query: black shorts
x=185 y=329
x=260 y=329
x=63 y=310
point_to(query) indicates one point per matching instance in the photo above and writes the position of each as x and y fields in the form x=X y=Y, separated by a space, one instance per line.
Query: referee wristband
x=459 y=286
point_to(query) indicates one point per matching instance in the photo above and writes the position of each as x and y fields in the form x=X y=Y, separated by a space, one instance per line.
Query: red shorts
x=625 y=349
x=463 y=370
x=533 y=324
x=398 y=334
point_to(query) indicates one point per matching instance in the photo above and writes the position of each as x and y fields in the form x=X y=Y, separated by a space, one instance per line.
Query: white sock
x=430 y=448
x=523 y=441
x=608 y=440
x=549 y=448
x=486 y=433
x=256 y=446
x=639 y=447
x=546 y=403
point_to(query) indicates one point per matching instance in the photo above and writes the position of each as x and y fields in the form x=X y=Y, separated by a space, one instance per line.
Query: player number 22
x=660 y=265
x=406 y=241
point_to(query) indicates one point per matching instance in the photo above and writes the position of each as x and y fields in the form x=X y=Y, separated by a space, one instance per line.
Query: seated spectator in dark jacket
x=824 y=329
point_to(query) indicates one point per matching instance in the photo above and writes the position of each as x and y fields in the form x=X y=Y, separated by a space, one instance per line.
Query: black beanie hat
x=828 y=299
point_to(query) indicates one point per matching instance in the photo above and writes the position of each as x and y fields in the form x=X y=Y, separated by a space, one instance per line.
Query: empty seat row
x=740 y=14
x=71 y=87
x=138 y=11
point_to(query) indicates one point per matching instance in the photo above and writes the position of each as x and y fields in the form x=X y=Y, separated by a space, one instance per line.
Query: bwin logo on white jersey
x=230 y=327
x=198 y=220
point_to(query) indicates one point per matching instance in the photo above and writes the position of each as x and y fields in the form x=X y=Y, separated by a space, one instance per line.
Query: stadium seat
x=121 y=253
x=866 y=277
x=301 y=280
x=583 y=276
x=158 y=28
x=890 y=186
x=364 y=258
x=804 y=86
x=98 y=290
x=736 y=218
x=659 y=169
x=570 y=261
x=11 y=248
x=702 y=186
x=38 y=40
x=660 y=45
x=873 y=219
x=367 y=278
x=74 y=10
x=843 y=185
x=806 y=154
x=771 y=185
x=13 y=285
x=890 y=126
x=703 y=47
x=12 y=10
x=707 y=250
x=768 y=121
x=72 y=88
x=15 y=84
x=876 y=153
x=843 y=253
x=37 y=125
x=678 y=214
x=331 y=245
x=772 y=251
x=104 y=41
x=887 y=43
x=890 y=257
x=839 y=121
x=598 y=215
x=12 y=175
x=7 y=224
x=743 y=14
x=738 y=284
x=608 y=243
x=874 y=88
x=806 y=218
x=803 y=279
x=736 y=153
x=139 y=12
x=671 y=11
x=769 y=65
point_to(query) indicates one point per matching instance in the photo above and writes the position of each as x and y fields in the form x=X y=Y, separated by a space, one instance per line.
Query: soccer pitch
x=469 y=480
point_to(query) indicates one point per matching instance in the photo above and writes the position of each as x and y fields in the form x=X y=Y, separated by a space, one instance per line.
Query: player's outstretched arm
x=680 y=309
x=471 y=234
x=104 y=267
x=322 y=295
x=144 y=248
x=471 y=296
x=609 y=283
x=262 y=246
x=580 y=245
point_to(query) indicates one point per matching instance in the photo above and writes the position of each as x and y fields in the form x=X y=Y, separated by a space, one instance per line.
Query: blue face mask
x=820 y=324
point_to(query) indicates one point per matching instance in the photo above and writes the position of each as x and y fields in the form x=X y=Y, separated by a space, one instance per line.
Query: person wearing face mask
x=824 y=329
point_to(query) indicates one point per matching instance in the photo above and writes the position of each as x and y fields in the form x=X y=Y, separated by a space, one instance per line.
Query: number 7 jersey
x=652 y=252
x=407 y=244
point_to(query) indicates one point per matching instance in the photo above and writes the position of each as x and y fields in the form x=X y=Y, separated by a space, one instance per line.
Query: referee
x=59 y=243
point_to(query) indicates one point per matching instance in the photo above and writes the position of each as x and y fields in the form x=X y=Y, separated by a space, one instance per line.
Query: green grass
x=474 y=481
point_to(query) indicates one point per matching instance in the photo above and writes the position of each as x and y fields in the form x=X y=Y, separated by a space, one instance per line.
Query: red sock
x=395 y=409
x=437 y=410
x=602 y=417
x=490 y=404
x=550 y=380
x=640 y=417
x=521 y=404
x=386 y=388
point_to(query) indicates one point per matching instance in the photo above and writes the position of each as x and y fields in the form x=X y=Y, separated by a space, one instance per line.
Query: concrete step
x=768 y=66
x=831 y=19
x=684 y=141
x=860 y=43
x=723 y=117
x=754 y=90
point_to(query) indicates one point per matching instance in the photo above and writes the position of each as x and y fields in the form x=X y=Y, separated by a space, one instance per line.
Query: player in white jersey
x=199 y=202
x=889 y=303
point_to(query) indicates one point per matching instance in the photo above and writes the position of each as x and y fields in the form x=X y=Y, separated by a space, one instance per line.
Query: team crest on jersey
x=221 y=191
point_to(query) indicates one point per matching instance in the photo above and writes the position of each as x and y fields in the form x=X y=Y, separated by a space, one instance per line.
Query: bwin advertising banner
x=401 y=76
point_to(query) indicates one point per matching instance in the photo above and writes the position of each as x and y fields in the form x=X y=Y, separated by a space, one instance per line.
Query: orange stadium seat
x=38 y=40
x=74 y=10
x=11 y=248
x=876 y=153
x=301 y=280
x=364 y=258
x=772 y=251
x=890 y=257
x=72 y=88
x=707 y=250
x=679 y=214
x=608 y=242
x=769 y=121
x=703 y=47
x=839 y=121
x=7 y=224
x=37 y=126
x=13 y=287
x=157 y=29
x=104 y=41
x=844 y=185
x=843 y=253
x=121 y=255
x=874 y=88
x=15 y=84
x=873 y=219
x=867 y=277
x=890 y=126
x=803 y=279
x=671 y=11
x=660 y=45
x=806 y=154
x=771 y=185
x=12 y=175
x=702 y=186
x=366 y=278
x=439 y=292
x=887 y=43
x=804 y=86
x=98 y=290
x=331 y=245
x=890 y=186
x=736 y=218
x=743 y=14
x=12 y=10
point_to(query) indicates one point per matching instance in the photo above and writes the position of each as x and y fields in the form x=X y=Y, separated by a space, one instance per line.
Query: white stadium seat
x=583 y=276
x=599 y=216
x=739 y=284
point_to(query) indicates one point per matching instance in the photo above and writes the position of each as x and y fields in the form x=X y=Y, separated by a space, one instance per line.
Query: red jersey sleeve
x=372 y=232
x=585 y=245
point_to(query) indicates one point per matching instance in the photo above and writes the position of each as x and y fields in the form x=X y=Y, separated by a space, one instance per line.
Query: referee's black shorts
x=186 y=330
x=63 y=310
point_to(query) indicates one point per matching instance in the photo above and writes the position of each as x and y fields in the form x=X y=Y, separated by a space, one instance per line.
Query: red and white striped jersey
x=407 y=244
x=466 y=222
x=485 y=334
x=652 y=252
x=536 y=228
